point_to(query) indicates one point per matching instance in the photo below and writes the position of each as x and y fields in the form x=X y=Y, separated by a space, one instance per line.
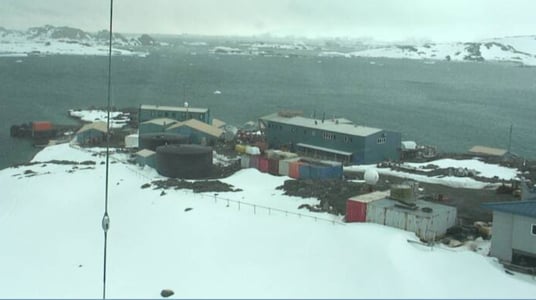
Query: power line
x=106 y=219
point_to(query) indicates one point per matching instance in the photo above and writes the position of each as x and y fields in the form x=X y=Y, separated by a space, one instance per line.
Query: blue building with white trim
x=334 y=139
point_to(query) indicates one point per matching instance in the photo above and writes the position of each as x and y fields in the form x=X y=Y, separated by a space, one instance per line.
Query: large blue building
x=334 y=139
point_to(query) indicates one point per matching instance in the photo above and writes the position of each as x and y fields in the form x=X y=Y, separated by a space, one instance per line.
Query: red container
x=355 y=211
x=294 y=169
x=263 y=164
x=273 y=166
x=41 y=126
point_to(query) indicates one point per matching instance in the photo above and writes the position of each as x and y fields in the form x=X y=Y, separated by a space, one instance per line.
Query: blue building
x=146 y=157
x=92 y=133
x=184 y=113
x=333 y=139
x=156 y=125
x=513 y=238
x=198 y=132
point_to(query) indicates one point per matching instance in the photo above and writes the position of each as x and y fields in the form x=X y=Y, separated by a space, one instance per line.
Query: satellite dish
x=185 y=104
x=371 y=176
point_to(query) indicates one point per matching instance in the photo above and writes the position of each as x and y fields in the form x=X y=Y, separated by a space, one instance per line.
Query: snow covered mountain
x=518 y=49
x=50 y=39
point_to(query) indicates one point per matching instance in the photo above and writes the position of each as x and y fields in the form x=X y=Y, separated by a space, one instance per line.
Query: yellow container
x=240 y=148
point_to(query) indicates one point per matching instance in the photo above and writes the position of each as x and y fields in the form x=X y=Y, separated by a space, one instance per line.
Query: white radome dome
x=371 y=176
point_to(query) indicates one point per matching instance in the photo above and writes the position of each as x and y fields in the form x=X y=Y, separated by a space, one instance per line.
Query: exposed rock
x=166 y=293
x=455 y=243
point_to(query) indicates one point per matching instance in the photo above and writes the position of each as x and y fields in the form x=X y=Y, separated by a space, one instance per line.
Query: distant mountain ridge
x=74 y=34
x=517 y=49
x=50 y=39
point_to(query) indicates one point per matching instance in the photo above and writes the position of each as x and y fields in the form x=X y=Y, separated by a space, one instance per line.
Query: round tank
x=402 y=192
x=152 y=141
x=184 y=161
x=371 y=176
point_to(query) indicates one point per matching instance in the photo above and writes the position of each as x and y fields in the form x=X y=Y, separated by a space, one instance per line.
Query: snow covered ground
x=117 y=119
x=520 y=49
x=52 y=242
x=24 y=47
x=483 y=169
x=21 y=44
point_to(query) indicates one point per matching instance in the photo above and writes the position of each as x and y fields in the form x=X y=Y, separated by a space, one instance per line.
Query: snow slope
x=117 y=119
x=520 y=49
x=53 y=243
x=483 y=170
x=49 y=40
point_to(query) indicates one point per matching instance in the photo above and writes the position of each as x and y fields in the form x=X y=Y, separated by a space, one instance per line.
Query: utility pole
x=510 y=138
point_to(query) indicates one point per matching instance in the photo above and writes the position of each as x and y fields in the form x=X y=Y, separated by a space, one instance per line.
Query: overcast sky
x=439 y=20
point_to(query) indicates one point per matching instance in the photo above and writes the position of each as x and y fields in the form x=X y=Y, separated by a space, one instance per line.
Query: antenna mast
x=510 y=139
x=106 y=219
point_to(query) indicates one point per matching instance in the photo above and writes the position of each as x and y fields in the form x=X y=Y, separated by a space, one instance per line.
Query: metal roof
x=437 y=208
x=408 y=145
x=173 y=108
x=161 y=121
x=333 y=125
x=145 y=153
x=99 y=126
x=488 y=151
x=324 y=149
x=366 y=198
x=198 y=125
x=522 y=208
x=218 y=123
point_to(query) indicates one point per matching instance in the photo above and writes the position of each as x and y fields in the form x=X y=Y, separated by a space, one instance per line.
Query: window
x=382 y=139
x=293 y=129
x=329 y=136
x=533 y=231
x=347 y=139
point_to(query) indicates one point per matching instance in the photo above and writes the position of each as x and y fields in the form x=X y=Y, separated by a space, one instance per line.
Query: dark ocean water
x=451 y=105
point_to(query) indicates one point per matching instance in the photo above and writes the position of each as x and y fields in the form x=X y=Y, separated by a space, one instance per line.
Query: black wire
x=106 y=220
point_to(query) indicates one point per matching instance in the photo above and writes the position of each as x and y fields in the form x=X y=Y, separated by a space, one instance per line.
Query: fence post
x=254 y=209
x=269 y=211
x=238 y=205
x=215 y=198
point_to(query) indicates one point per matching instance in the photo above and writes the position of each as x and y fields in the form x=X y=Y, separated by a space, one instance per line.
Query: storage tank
x=184 y=161
x=402 y=192
x=152 y=141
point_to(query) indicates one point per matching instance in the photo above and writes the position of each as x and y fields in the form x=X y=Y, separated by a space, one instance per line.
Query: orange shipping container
x=41 y=126
x=294 y=169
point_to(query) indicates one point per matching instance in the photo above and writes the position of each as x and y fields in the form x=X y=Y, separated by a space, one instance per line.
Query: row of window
x=173 y=115
x=326 y=135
